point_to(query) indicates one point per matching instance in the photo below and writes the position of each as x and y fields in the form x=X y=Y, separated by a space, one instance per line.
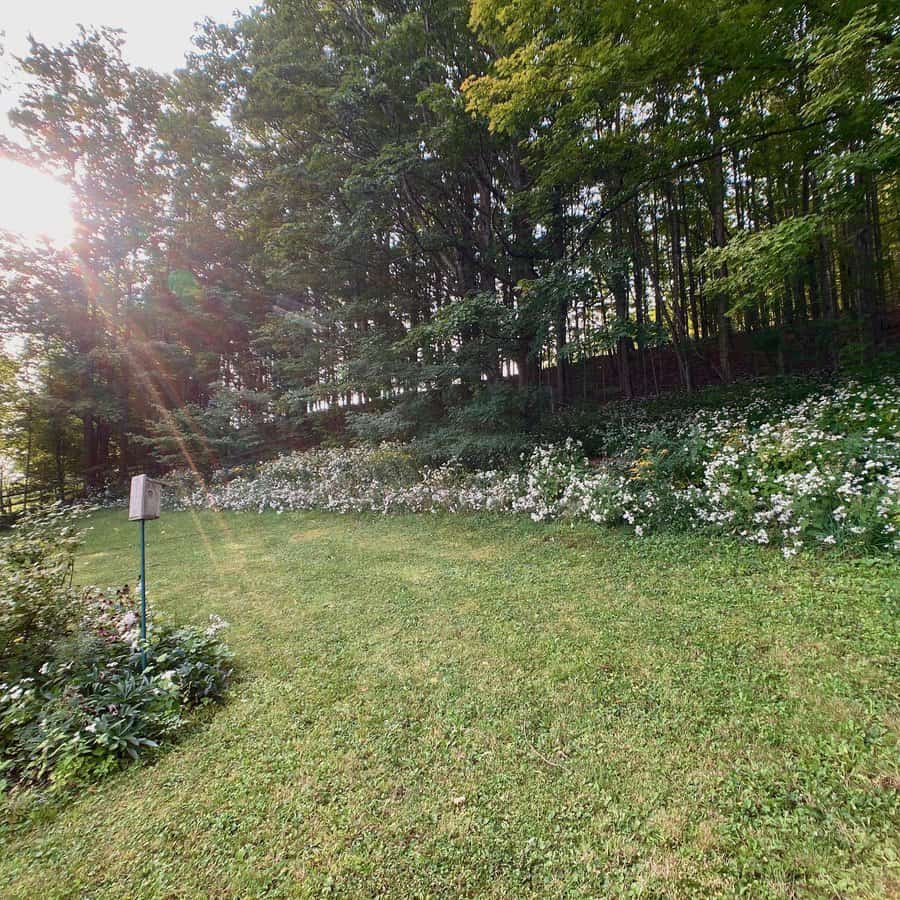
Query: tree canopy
x=443 y=222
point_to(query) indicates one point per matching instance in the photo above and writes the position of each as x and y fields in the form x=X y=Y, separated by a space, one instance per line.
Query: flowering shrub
x=828 y=470
x=75 y=702
x=384 y=479
x=824 y=470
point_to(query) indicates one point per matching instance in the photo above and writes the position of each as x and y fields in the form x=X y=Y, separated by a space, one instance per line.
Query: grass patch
x=438 y=705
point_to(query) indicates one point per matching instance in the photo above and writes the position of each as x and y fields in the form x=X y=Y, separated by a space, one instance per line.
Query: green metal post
x=143 y=603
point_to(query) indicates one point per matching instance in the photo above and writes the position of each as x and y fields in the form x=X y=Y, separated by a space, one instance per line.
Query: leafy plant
x=76 y=701
x=37 y=601
x=795 y=467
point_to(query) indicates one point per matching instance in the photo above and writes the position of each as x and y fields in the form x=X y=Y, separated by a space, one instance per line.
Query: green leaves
x=756 y=265
x=37 y=604
x=75 y=700
x=393 y=205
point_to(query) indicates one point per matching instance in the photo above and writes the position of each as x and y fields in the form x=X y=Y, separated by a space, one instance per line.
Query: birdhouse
x=145 y=497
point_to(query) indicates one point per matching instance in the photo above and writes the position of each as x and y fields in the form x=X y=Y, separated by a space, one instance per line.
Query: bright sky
x=157 y=35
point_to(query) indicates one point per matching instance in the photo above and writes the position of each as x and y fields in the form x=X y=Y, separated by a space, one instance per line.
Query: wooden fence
x=17 y=498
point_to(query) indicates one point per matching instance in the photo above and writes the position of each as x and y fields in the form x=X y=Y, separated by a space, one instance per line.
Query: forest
x=444 y=223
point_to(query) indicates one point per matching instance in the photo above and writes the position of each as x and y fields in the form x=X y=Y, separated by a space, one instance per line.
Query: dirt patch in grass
x=310 y=534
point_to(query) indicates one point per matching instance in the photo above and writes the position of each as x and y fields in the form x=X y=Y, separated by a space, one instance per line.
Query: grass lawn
x=440 y=706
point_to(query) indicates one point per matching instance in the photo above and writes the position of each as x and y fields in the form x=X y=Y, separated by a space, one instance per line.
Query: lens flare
x=34 y=205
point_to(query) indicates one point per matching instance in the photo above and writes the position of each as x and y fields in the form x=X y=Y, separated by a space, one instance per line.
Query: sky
x=157 y=36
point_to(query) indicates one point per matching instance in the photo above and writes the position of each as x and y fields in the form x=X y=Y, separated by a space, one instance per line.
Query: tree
x=445 y=223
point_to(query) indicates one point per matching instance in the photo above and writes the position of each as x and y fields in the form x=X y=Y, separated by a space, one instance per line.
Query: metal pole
x=143 y=603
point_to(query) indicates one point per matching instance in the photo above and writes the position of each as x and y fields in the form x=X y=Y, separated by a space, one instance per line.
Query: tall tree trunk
x=619 y=280
x=677 y=320
x=521 y=269
x=561 y=314
x=720 y=239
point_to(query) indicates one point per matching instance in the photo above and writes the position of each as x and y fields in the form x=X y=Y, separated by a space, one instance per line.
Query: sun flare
x=33 y=204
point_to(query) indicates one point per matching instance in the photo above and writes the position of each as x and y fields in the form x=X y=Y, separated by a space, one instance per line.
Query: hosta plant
x=79 y=694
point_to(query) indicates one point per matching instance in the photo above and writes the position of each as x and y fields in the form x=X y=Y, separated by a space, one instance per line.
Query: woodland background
x=443 y=223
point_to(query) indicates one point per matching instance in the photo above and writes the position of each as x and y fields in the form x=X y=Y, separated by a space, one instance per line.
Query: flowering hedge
x=822 y=471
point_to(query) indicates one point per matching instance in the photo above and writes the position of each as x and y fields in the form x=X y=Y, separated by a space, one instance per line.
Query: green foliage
x=227 y=430
x=821 y=471
x=75 y=701
x=90 y=708
x=37 y=600
x=375 y=427
x=755 y=265
x=491 y=429
x=389 y=214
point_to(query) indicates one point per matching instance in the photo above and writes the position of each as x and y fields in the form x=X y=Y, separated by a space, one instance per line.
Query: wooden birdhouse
x=145 y=498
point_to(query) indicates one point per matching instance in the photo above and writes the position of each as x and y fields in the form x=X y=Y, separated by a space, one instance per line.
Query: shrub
x=820 y=470
x=36 y=595
x=75 y=699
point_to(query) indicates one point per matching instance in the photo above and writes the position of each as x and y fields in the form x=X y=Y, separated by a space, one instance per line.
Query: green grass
x=439 y=706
